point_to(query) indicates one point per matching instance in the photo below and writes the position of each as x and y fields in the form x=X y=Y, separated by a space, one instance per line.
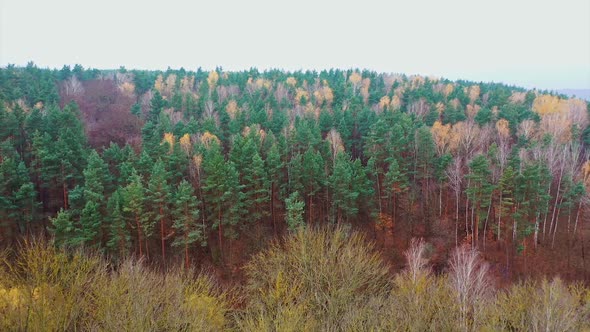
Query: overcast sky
x=533 y=43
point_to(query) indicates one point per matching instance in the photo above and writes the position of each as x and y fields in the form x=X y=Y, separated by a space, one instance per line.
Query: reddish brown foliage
x=106 y=113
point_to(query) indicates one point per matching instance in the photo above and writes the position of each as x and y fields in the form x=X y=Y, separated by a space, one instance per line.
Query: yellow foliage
x=159 y=83
x=301 y=96
x=443 y=137
x=39 y=105
x=474 y=92
x=366 y=83
x=187 y=83
x=355 y=78
x=185 y=143
x=546 y=104
x=127 y=88
x=170 y=84
x=212 y=79
x=384 y=102
x=440 y=108
x=416 y=81
x=472 y=110
x=448 y=89
x=232 y=109
x=503 y=128
x=198 y=161
x=291 y=81
x=396 y=103
x=11 y=298
x=207 y=138
x=263 y=83
x=169 y=138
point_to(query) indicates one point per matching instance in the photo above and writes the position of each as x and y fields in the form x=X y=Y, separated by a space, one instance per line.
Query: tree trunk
x=220 y=233
x=457 y=196
x=162 y=233
x=139 y=240
x=186 y=237
x=577 y=217
x=379 y=193
x=553 y=218
x=272 y=207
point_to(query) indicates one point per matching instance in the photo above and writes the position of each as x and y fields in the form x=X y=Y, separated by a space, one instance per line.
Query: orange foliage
x=474 y=92
x=232 y=109
x=503 y=128
x=366 y=83
x=396 y=103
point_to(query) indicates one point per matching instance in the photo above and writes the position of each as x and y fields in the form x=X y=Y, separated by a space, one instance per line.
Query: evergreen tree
x=274 y=165
x=222 y=192
x=90 y=223
x=63 y=228
x=396 y=182
x=294 y=216
x=344 y=194
x=157 y=197
x=134 y=208
x=186 y=223
x=119 y=237
x=479 y=192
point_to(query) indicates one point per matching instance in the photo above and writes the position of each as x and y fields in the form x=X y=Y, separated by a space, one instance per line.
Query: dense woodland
x=206 y=167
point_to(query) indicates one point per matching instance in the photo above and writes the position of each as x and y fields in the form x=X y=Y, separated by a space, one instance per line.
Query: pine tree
x=63 y=228
x=342 y=188
x=157 y=197
x=274 y=165
x=294 y=216
x=90 y=224
x=255 y=188
x=186 y=225
x=222 y=193
x=479 y=192
x=96 y=178
x=119 y=237
x=134 y=208
x=396 y=182
x=157 y=105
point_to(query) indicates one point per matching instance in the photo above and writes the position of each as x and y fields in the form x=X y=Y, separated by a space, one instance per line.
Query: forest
x=402 y=186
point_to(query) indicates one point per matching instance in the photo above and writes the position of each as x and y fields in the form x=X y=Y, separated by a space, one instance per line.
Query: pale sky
x=531 y=43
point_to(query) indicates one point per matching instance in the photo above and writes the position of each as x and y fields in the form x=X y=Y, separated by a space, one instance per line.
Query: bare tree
x=454 y=174
x=469 y=280
x=417 y=263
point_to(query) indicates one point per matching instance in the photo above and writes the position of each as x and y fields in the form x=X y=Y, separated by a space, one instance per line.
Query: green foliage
x=186 y=215
x=294 y=215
